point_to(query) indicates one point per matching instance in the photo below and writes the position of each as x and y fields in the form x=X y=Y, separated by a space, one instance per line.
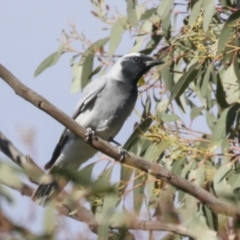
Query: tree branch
x=33 y=172
x=82 y=215
x=132 y=160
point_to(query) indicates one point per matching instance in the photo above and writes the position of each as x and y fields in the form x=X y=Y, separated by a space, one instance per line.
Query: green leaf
x=166 y=26
x=98 y=45
x=195 y=12
x=95 y=71
x=184 y=81
x=87 y=65
x=82 y=177
x=131 y=12
x=82 y=71
x=206 y=79
x=139 y=9
x=211 y=119
x=49 y=61
x=8 y=174
x=223 y=190
x=235 y=58
x=164 y=8
x=155 y=150
x=116 y=35
x=234 y=181
x=49 y=221
x=220 y=94
x=141 y=128
x=168 y=117
x=223 y=126
x=137 y=45
x=5 y=194
x=146 y=108
x=131 y=145
x=148 y=13
x=77 y=73
x=209 y=11
x=228 y=30
x=103 y=183
x=167 y=75
x=138 y=191
x=104 y=215
x=195 y=112
x=177 y=166
x=211 y=218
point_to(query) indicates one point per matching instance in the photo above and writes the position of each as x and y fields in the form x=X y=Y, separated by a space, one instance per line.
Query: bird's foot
x=123 y=153
x=90 y=135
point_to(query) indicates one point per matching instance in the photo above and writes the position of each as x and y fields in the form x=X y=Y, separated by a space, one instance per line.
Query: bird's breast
x=108 y=112
x=114 y=106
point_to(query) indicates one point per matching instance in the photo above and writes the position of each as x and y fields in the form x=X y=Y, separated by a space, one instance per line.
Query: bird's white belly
x=75 y=152
x=105 y=127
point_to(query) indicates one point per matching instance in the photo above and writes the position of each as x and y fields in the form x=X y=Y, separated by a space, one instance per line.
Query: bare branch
x=33 y=172
x=160 y=226
x=132 y=160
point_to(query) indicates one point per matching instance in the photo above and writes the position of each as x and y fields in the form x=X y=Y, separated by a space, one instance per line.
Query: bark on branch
x=132 y=160
x=33 y=172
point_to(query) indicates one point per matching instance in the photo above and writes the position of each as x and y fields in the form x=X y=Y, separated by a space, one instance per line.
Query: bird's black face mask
x=135 y=67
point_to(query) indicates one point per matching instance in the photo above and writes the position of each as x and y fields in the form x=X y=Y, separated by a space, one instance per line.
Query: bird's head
x=132 y=66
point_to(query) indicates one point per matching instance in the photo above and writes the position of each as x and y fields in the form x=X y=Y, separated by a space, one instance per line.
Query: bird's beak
x=154 y=62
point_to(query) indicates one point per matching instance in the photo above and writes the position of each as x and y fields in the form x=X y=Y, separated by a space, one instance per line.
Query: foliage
x=199 y=42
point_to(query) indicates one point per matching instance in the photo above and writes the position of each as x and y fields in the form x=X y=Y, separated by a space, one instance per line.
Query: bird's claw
x=122 y=153
x=90 y=135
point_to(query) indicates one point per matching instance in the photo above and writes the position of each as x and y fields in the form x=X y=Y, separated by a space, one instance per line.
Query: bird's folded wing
x=89 y=94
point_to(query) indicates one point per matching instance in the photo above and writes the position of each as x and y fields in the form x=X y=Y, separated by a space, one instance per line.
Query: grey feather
x=104 y=106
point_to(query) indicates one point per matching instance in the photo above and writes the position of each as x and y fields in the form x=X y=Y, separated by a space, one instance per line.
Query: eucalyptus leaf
x=49 y=61
x=228 y=30
x=131 y=12
x=116 y=35
x=195 y=12
x=164 y=8
x=209 y=11
x=223 y=126
x=184 y=81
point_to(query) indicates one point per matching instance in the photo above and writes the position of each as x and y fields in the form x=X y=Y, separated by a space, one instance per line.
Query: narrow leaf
x=87 y=63
x=138 y=191
x=195 y=112
x=209 y=11
x=195 y=12
x=49 y=61
x=116 y=35
x=164 y=8
x=184 y=81
x=206 y=79
x=228 y=30
x=223 y=126
x=131 y=13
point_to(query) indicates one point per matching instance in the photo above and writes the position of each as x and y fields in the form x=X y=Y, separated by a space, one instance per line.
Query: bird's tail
x=45 y=192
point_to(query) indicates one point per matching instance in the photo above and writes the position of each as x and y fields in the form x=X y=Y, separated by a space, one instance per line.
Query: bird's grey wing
x=88 y=95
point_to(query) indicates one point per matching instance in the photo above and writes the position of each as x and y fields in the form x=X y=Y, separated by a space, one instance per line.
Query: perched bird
x=103 y=108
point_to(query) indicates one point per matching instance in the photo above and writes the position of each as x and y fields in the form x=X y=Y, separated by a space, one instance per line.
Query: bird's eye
x=136 y=59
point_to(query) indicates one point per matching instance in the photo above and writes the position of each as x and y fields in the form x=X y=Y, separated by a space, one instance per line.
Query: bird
x=104 y=106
